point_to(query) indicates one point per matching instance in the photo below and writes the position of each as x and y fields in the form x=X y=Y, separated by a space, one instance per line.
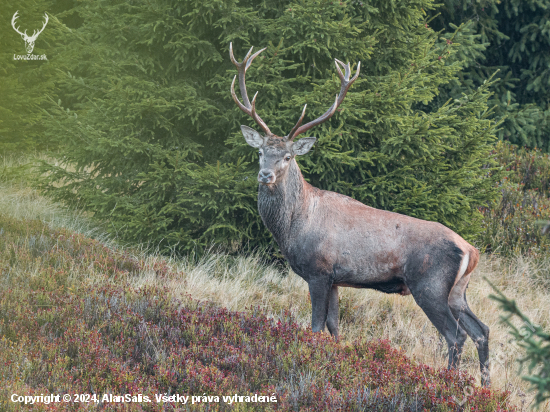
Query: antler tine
x=344 y=77
x=36 y=33
x=298 y=123
x=345 y=84
x=250 y=111
x=253 y=108
x=252 y=58
x=15 y=16
x=356 y=72
x=234 y=95
x=235 y=62
x=247 y=107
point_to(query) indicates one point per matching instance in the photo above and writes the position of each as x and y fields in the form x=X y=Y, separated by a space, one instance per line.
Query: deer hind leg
x=432 y=275
x=432 y=299
x=477 y=330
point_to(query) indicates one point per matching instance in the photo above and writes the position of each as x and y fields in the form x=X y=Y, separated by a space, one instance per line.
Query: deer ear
x=302 y=146
x=252 y=137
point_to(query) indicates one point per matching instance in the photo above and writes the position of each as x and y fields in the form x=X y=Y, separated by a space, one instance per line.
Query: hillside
x=78 y=315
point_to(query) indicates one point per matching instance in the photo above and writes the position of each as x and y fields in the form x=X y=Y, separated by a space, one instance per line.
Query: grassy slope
x=74 y=318
x=79 y=316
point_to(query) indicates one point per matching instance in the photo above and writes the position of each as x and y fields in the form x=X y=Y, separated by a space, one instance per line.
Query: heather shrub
x=65 y=333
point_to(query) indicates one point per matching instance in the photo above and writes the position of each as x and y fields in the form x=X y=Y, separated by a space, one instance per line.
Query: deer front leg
x=319 y=291
x=333 y=312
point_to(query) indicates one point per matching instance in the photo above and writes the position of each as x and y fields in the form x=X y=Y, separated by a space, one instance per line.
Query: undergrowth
x=73 y=320
x=512 y=223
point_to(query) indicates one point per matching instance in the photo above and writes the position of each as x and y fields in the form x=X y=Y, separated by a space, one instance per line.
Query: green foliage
x=529 y=168
x=152 y=138
x=534 y=341
x=510 y=36
x=25 y=84
x=511 y=224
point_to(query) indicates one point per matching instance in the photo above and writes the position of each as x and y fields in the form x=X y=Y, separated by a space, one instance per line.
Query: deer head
x=29 y=40
x=276 y=152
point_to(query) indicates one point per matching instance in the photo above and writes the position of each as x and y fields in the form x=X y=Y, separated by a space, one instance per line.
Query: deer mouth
x=269 y=184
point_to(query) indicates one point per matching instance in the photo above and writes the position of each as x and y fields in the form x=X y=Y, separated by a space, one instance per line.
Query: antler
x=248 y=107
x=35 y=33
x=344 y=86
x=15 y=16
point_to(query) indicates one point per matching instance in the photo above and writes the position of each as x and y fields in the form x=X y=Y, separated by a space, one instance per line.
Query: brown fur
x=474 y=259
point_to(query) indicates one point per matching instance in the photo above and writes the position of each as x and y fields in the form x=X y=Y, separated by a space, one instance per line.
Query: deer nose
x=266 y=176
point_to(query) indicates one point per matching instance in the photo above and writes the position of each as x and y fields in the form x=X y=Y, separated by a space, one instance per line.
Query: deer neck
x=281 y=203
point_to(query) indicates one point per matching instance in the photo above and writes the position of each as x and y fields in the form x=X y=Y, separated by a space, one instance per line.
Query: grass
x=19 y=201
x=137 y=309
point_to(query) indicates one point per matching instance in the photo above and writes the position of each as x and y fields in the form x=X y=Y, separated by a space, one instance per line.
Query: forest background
x=130 y=120
x=134 y=97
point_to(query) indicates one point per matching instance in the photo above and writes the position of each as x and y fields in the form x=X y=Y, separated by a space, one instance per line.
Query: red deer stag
x=332 y=240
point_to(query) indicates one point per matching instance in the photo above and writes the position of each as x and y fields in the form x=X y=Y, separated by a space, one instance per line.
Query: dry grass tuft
x=19 y=201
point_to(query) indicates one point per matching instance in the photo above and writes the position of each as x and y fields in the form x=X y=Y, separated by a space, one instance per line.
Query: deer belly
x=392 y=286
x=387 y=278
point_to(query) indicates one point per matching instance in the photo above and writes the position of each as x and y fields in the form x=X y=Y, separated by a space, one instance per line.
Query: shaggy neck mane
x=282 y=201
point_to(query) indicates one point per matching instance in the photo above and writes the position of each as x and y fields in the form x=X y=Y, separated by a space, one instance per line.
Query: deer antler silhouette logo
x=29 y=40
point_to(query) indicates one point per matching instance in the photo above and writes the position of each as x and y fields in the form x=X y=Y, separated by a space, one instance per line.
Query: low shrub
x=62 y=333
x=511 y=224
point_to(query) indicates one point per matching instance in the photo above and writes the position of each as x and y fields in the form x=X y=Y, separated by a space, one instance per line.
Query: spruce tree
x=532 y=343
x=152 y=135
x=25 y=85
x=508 y=36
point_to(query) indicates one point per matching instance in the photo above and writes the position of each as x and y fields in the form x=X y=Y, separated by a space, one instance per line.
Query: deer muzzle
x=266 y=177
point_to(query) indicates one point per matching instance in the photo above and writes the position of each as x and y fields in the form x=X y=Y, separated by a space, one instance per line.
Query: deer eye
x=260 y=154
x=287 y=158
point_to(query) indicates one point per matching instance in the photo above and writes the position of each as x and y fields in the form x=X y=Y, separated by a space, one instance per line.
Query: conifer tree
x=533 y=341
x=25 y=84
x=153 y=138
x=510 y=36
